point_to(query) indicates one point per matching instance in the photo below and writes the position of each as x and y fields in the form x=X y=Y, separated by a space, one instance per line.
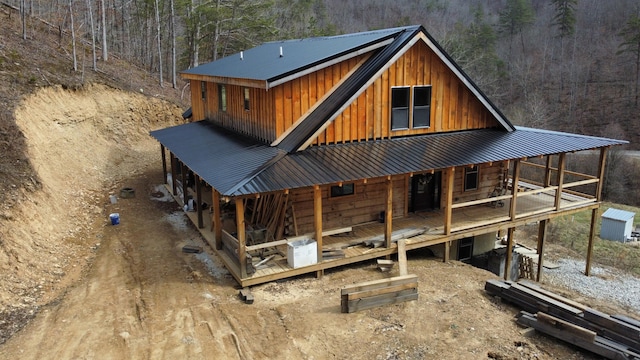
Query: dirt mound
x=82 y=144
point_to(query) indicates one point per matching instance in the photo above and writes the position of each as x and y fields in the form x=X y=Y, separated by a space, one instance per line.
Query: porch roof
x=235 y=165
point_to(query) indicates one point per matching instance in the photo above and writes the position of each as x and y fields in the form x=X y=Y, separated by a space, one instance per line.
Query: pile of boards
x=610 y=336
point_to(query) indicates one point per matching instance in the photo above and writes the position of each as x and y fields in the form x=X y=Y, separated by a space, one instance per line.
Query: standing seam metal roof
x=235 y=165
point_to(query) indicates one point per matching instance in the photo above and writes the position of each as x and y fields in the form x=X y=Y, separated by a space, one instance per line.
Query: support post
x=542 y=233
x=594 y=212
x=164 y=164
x=448 y=211
x=388 y=213
x=199 y=202
x=242 y=239
x=174 y=174
x=509 y=254
x=514 y=189
x=216 y=217
x=547 y=172
x=317 y=224
x=185 y=192
x=560 y=181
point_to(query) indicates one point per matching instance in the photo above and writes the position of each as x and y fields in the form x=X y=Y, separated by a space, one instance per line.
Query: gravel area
x=604 y=283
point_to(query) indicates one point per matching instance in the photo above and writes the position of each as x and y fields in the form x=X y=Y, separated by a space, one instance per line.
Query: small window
x=203 y=90
x=421 y=106
x=471 y=178
x=222 y=97
x=246 y=99
x=345 y=189
x=399 y=108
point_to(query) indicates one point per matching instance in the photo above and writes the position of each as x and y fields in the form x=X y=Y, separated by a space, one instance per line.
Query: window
x=421 y=106
x=399 y=108
x=222 y=97
x=345 y=189
x=471 y=178
x=246 y=99
x=203 y=90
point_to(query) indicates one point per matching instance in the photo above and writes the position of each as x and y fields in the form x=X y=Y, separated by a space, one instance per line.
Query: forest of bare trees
x=571 y=65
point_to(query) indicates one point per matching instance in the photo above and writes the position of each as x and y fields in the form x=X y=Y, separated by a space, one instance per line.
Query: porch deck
x=533 y=204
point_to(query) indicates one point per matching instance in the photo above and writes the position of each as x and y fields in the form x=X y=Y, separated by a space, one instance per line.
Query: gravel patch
x=604 y=283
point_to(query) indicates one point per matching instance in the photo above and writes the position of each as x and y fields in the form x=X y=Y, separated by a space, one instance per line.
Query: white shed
x=616 y=225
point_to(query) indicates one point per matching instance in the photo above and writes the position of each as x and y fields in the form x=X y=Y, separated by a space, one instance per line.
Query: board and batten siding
x=362 y=207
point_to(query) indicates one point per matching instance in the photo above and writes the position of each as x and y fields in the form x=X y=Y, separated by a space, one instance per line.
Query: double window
x=410 y=107
x=344 y=190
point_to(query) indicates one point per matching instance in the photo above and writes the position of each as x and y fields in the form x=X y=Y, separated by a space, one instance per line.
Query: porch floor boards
x=470 y=221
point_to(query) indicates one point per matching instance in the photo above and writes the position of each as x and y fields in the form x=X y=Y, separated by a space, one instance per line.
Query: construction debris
x=246 y=295
x=375 y=293
x=192 y=249
x=611 y=336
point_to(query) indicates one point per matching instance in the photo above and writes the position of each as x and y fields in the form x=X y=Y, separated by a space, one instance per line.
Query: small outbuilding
x=617 y=225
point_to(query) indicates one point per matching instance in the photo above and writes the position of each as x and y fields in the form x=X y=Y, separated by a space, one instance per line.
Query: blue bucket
x=115 y=218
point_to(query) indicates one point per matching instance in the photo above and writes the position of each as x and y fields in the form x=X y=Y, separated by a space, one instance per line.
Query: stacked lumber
x=611 y=336
x=381 y=292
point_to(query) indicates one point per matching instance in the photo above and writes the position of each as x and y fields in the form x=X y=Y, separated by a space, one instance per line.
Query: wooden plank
x=615 y=325
x=402 y=257
x=552 y=295
x=563 y=325
x=368 y=285
x=380 y=300
x=628 y=320
x=381 y=290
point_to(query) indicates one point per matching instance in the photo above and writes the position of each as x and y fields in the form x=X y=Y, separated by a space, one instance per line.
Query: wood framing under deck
x=466 y=222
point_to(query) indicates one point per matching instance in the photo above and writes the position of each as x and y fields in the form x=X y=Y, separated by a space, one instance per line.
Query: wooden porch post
x=199 y=202
x=164 y=164
x=185 y=192
x=448 y=211
x=388 y=213
x=317 y=223
x=514 y=189
x=242 y=241
x=508 y=255
x=547 y=172
x=542 y=233
x=216 y=217
x=174 y=165
x=594 y=212
x=560 y=180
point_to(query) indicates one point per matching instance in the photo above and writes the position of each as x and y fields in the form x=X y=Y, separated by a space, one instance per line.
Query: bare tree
x=73 y=37
x=174 y=81
x=157 y=9
x=93 y=35
x=105 y=55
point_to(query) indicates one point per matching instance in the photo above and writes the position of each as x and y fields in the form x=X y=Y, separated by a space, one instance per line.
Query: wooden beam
x=317 y=223
x=164 y=164
x=216 y=221
x=514 y=188
x=509 y=254
x=402 y=257
x=542 y=232
x=448 y=208
x=174 y=186
x=199 y=202
x=601 y=171
x=388 y=215
x=185 y=193
x=560 y=180
x=407 y=182
x=242 y=240
x=592 y=231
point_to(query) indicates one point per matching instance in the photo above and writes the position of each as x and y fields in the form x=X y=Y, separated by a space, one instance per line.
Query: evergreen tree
x=516 y=16
x=565 y=17
x=630 y=34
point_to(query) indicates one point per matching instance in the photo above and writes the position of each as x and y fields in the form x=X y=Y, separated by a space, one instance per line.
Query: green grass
x=572 y=231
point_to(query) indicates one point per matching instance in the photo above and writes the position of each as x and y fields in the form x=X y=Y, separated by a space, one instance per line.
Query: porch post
x=317 y=224
x=216 y=217
x=164 y=164
x=199 y=202
x=508 y=255
x=242 y=241
x=388 y=214
x=174 y=165
x=514 y=189
x=594 y=212
x=547 y=172
x=185 y=192
x=542 y=233
x=560 y=180
x=448 y=211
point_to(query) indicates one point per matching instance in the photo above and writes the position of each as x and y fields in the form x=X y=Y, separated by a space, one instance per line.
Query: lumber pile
x=611 y=336
x=381 y=292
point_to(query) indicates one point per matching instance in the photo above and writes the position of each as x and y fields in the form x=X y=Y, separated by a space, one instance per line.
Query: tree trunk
x=73 y=37
x=174 y=80
x=93 y=35
x=105 y=56
x=23 y=15
x=159 y=42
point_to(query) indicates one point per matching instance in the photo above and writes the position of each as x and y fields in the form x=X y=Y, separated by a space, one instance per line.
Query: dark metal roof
x=236 y=166
x=265 y=63
x=339 y=97
x=222 y=158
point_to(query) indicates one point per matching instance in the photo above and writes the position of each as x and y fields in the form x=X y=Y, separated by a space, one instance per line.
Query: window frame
x=407 y=108
x=203 y=91
x=222 y=97
x=340 y=190
x=247 y=103
x=414 y=107
x=471 y=171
